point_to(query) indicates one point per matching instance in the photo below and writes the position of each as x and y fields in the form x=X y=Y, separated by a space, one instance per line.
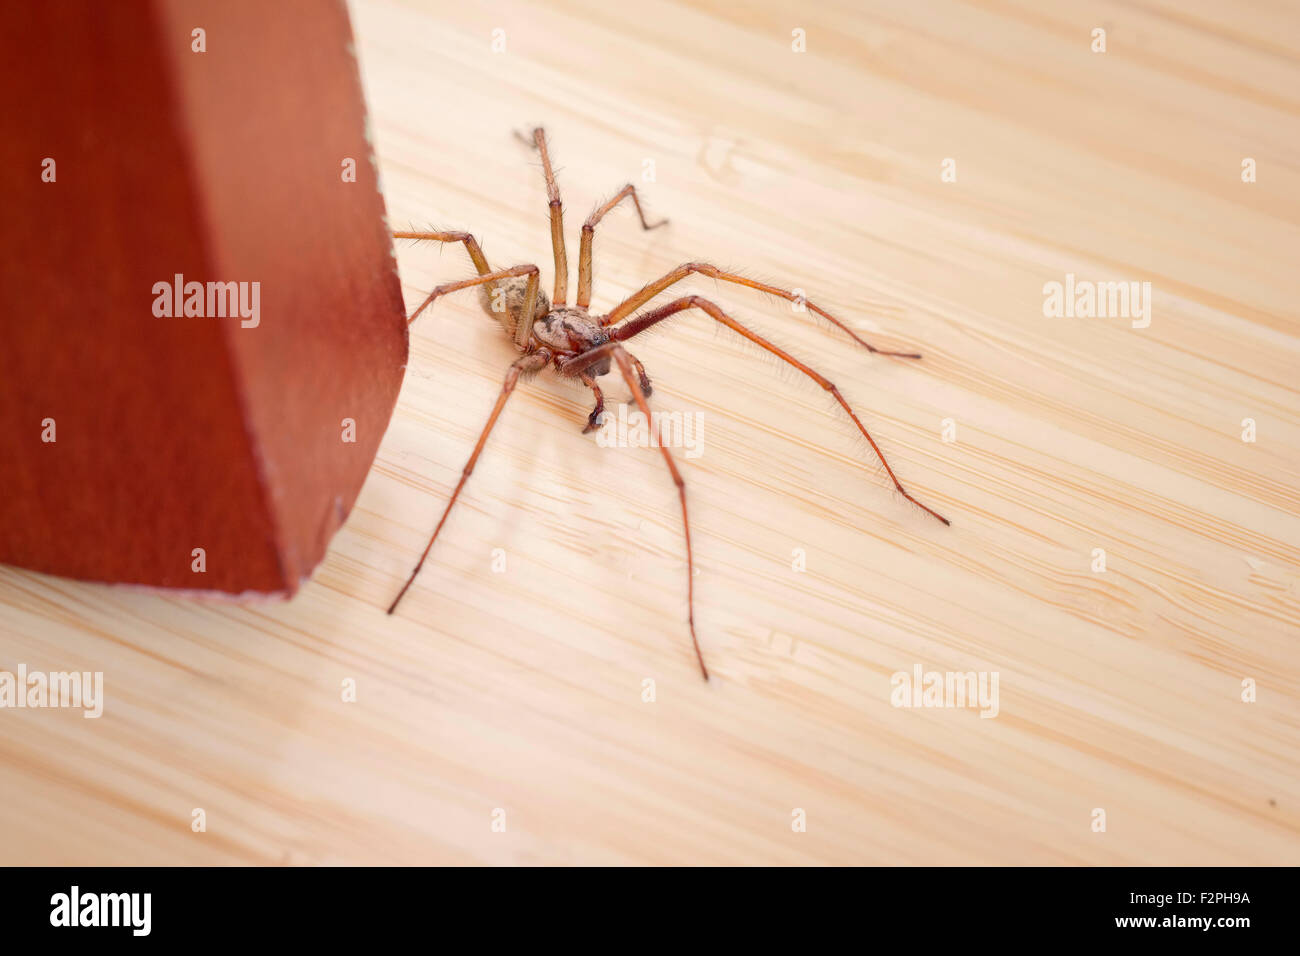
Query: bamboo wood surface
x=522 y=689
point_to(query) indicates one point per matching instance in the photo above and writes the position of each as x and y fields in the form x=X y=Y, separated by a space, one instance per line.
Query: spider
x=584 y=346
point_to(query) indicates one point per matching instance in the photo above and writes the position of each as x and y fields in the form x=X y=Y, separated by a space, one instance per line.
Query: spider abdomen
x=503 y=300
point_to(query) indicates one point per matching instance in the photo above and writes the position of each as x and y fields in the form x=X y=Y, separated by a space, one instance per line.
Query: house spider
x=585 y=346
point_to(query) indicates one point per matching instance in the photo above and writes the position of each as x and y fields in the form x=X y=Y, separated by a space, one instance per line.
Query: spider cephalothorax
x=569 y=330
x=585 y=346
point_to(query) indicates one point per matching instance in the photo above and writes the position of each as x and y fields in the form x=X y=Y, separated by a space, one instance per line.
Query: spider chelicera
x=584 y=346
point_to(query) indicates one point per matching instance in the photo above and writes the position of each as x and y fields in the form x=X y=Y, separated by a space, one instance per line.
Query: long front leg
x=621 y=359
x=644 y=321
x=532 y=362
x=589 y=232
x=557 y=220
x=649 y=291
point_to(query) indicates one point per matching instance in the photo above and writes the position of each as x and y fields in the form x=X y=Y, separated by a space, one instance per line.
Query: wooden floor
x=519 y=694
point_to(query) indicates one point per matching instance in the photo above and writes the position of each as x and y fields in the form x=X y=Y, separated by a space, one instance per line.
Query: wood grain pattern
x=521 y=690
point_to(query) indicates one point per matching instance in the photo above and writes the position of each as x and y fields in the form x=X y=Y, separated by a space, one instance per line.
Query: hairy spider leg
x=557 y=220
x=625 y=362
x=532 y=362
x=652 y=289
x=588 y=235
x=471 y=245
x=622 y=360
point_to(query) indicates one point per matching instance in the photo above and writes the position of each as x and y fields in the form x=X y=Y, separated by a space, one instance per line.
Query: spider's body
x=582 y=346
x=565 y=331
